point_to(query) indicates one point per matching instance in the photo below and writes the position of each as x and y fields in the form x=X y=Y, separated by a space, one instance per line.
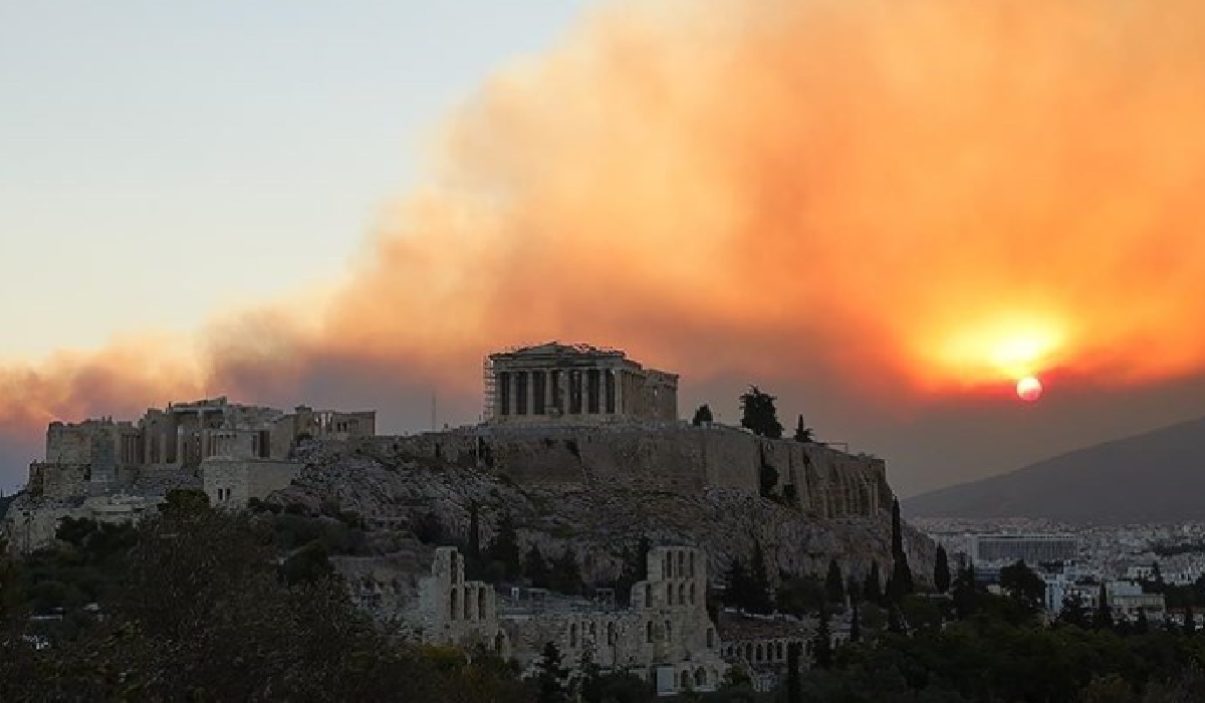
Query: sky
x=887 y=214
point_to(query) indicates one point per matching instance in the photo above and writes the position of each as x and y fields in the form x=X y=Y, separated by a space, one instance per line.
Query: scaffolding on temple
x=489 y=383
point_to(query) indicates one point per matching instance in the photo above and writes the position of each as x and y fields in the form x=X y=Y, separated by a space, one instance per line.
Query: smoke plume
x=917 y=199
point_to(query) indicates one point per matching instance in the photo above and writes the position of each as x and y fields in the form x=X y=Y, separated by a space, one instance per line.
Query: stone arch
x=648 y=631
x=481 y=605
x=593 y=631
x=454 y=603
x=669 y=594
x=778 y=650
x=665 y=567
x=681 y=563
x=760 y=653
x=700 y=677
x=681 y=594
x=465 y=602
x=692 y=592
x=648 y=594
x=573 y=634
x=610 y=633
x=684 y=680
x=669 y=631
x=749 y=651
x=691 y=564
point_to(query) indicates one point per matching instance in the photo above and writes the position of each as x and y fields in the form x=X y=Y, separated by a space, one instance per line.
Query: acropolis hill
x=581 y=448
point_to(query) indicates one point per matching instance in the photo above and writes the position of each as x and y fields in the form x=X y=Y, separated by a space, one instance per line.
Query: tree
x=473 y=548
x=505 y=547
x=872 y=589
x=834 y=583
x=566 y=575
x=900 y=584
x=759 y=583
x=966 y=593
x=1023 y=585
x=941 y=570
x=702 y=416
x=550 y=676
x=1143 y=625
x=759 y=414
x=635 y=568
x=1073 y=612
x=794 y=684
x=1190 y=621
x=1104 y=615
x=822 y=643
x=536 y=569
x=803 y=433
x=855 y=624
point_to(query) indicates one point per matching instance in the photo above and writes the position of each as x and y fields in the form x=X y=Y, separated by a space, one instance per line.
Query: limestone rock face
x=400 y=483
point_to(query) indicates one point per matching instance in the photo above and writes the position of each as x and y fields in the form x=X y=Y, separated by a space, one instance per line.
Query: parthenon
x=579 y=383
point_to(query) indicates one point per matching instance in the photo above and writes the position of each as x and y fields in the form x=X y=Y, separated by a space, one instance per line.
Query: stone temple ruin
x=107 y=469
x=578 y=384
x=555 y=414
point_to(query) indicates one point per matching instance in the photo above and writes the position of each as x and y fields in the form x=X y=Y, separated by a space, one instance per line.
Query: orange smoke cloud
x=922 y=196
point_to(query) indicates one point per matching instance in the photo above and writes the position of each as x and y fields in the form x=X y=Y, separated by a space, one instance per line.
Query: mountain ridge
x=1152 y=476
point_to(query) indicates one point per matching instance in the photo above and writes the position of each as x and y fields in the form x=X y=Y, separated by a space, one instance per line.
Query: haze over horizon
x=884 y=214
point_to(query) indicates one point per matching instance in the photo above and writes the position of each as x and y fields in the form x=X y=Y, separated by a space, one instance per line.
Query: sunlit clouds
x=930 y=197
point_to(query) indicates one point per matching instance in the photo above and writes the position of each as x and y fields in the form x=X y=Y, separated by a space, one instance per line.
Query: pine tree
x=759 y=414
x=550 y=676
x=822 y=643
x=834 y=583
x=702 y=416
x=1104 y=615
x=803 y=433
x=536 y=569
x=941 y=570
x=900 y=584
x=505 y=547
x=872 y=589
x=794 y=682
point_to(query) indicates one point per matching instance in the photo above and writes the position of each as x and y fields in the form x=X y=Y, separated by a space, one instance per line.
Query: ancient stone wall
x=677 y=458
x=233 y=482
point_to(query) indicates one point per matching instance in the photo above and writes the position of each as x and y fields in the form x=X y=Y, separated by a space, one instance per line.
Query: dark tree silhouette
x=803 y=433
x=536 y=569
x=941 y=570
x=900 y=584
x=822 y=643
x=794 y=682
x=702 y=415
x=759 y=414
x=505 y=548
x=550 y=676
x=872 y=589
x=834 y=583
x=1104 y=614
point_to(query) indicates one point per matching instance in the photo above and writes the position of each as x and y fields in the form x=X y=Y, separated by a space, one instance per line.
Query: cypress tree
x=736 y=588
x=702 y=415
x=550 y=676
x=536 y=569
x=834 y=583
x=566 y=575
x=872 y=589
x=759 y=583
x=1190 y=621
x=473 y=550
x=855 y=624
x=794 y=682
x=901 y=575
x=822 y=643
x=803 y=433
x=941 y=570
x=1104 y=615
x=505 y=547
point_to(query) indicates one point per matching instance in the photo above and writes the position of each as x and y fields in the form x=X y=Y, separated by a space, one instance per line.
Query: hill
x=1157 y=476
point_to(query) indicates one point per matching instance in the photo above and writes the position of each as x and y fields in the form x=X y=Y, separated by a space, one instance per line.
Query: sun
x=1029 y=389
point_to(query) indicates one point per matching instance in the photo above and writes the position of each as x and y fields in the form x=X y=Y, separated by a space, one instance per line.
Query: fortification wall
x=677 y=458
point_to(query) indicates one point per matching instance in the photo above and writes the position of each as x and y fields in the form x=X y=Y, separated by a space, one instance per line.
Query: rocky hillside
x=396 y=491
